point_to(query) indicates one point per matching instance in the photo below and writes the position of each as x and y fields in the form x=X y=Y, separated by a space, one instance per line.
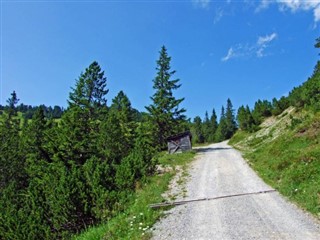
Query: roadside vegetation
x=288 y=160
x=285 y=147
x=136 y=221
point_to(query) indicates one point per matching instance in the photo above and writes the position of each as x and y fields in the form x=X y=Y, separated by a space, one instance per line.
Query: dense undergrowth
x=289 y=161
x=136 y=221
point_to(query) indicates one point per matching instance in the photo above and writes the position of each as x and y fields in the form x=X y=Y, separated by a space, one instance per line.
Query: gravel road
x=220 y=170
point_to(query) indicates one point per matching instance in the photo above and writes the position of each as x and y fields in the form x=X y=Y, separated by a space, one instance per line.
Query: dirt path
x=220 y=170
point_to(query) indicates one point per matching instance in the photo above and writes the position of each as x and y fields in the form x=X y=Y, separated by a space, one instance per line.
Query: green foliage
x=204 y=131
x=206 y=127
x=245 y=119
x=58 y=177
x=12 y=155
x=12 y=102
x=137 y=219
x=49 y=112
x=308 y=94
x=166 y=116
x=90 y=89
x=213 y=126
x=290 y=163
x=197 y=130
x=238 y=137
x=261 y=110
x=221 y=130
x=279 y=105
x=231 y=125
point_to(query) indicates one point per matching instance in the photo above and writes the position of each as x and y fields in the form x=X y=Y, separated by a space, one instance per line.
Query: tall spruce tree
x=206 y=127
x=166 y=115
x=13 y=177
x=118 y=129
x=222 y=127
x=231 y=125
x=12 y=102
x=197 y=130
x=245 y=119
x=90 y=90
x=80 y=123
x=213 y=125
x=79 y=151
x=11 y=158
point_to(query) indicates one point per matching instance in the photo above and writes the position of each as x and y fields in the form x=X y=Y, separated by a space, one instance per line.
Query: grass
x=238 y=136
x=137 y=220
x=291 y=162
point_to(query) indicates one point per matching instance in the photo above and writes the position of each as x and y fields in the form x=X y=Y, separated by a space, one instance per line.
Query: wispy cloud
x=229 y=55
x=262 y=44
x=201 y=3
x=264 y=4
x=316 y=14
x=293 y=6
x=250 y=50
x=266 y=39
x=218 y=15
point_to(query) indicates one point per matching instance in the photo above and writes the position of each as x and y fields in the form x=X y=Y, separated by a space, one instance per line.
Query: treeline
x=28 y=111
x=210 y=130
x=305 y=96
x=58 y=177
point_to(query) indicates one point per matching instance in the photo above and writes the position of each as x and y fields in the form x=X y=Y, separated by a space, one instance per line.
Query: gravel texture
x=220 y=170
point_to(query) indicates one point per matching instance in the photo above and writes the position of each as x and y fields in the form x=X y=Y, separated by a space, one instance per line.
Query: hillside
x=286 y=154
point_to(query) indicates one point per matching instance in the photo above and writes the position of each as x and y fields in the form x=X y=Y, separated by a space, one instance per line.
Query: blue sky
x=242 y=50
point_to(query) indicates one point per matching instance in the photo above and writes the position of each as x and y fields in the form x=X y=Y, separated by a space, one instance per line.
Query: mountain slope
x=286 y=154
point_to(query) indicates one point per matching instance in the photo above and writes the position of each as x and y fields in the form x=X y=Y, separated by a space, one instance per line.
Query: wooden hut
x=180 y=142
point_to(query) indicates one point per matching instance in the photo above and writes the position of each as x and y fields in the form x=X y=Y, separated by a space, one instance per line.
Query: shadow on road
x=209 y=149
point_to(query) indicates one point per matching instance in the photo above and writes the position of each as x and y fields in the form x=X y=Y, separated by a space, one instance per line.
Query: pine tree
x=230 y=120
x=90 y=90
x=12 y=156
x=13 y=177
x=214 y=125
x=222 y=127
x=198 y=130
x=261 y=110
x=12 y=102
x=245 y=119
x=83 y=160
x=206 y=127
x=118 y=129
x=166 y=116
x=80 y=123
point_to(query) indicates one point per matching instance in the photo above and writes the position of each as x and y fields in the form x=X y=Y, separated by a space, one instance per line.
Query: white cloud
x=218 y=15
x=201 y=3
x=296 y=5
x=266 y=39
x=262 y=44
x=293 y=6
x=250 y=50
x=263 y=5
x=316 y=13
x=229 y=55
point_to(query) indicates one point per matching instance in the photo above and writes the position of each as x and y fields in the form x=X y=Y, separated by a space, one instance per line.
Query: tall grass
x=291 y=162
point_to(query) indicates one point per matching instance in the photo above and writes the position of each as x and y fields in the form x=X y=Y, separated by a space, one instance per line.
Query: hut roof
x=180 y=135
